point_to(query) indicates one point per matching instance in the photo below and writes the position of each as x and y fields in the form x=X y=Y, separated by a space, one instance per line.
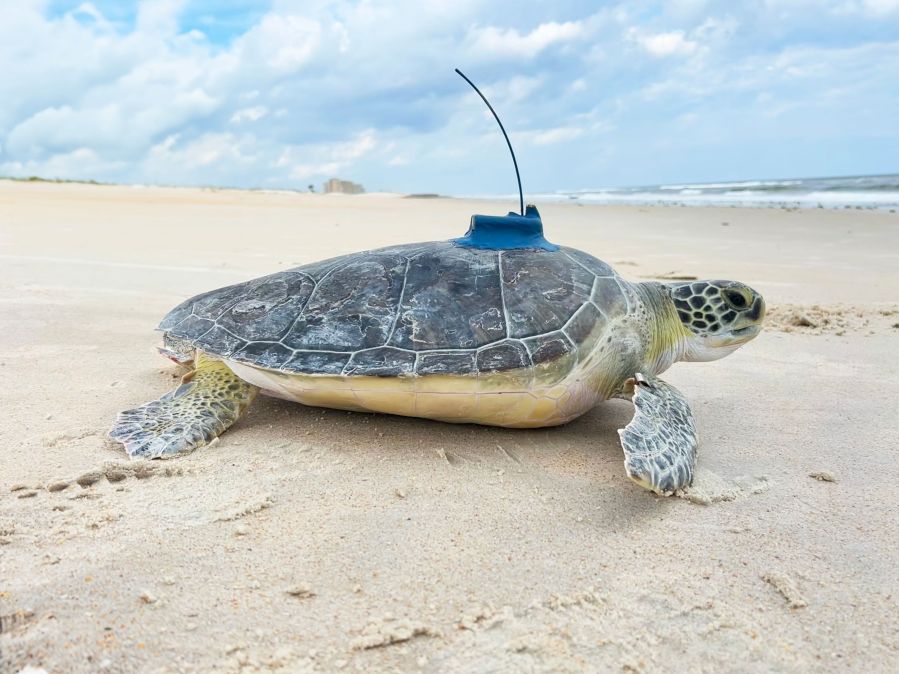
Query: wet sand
x=311 y=540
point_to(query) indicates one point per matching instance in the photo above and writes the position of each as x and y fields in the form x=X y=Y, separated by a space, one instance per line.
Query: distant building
x=338 y=186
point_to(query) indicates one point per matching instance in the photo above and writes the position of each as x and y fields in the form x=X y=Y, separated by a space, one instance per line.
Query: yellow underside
x=515 y=399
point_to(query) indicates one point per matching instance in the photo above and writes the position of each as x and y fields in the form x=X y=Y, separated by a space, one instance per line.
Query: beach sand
x=310 y=540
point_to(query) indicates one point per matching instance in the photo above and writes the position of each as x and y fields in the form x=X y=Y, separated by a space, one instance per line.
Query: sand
x=309 y=540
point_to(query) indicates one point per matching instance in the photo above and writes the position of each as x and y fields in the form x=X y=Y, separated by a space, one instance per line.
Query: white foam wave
x=731 y=185
x=829 y=199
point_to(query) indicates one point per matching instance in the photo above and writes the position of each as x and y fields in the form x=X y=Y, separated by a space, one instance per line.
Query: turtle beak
x=757 y=312
x=749 y=322
x=743 y=335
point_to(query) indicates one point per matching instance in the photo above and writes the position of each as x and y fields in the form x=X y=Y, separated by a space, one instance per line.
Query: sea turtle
x=499 y=327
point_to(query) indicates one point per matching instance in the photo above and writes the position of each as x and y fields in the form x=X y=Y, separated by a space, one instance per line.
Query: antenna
x=501 y=128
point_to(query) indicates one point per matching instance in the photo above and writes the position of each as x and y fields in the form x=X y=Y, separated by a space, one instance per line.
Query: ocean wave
x=879 y=191
x=733 y=185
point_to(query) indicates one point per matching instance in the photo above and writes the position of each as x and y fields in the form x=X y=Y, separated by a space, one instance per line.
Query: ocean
x=879 y=191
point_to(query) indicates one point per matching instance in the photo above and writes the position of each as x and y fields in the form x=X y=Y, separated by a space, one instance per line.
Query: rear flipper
x=660 y=441
x=209 y=400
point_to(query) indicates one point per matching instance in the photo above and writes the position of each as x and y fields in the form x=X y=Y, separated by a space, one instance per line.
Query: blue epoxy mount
x=506 y=232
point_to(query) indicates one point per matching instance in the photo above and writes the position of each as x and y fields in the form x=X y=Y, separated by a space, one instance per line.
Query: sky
x=284 y=94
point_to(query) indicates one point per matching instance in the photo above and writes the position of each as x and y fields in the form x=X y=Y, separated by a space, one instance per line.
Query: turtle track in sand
x=112 y=472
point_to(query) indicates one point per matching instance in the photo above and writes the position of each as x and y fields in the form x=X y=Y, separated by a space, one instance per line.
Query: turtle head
x=719 y=316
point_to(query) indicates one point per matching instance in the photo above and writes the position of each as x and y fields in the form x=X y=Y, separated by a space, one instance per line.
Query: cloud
x=320 y=160
x=253 y=114
x=283 y=44
x=211 y=158
x=509 y=43
x=157 y=17
x=297 y=91
x=206 y=150
x=113 y=126
x=674 y=43
x=75 y=164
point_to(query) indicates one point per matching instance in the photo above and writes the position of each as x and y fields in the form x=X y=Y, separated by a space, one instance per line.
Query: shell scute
x=264 y=354
x=451 y=300
x=609 y=297
x=269 y=307
x=193 y=327
x=541 y=290
x=584 y=324
x=545 y=348
x=352 y=307
x=444 y=362
x=592 y=264
x=320 y=362
x=220 y=341
x=507 y=355
x=383 y=361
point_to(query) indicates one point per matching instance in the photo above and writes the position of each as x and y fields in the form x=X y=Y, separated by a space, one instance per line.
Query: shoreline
x=600 y=197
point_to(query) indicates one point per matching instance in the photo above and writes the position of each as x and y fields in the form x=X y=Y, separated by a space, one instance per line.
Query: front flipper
x=660 y=441
x=209 y=400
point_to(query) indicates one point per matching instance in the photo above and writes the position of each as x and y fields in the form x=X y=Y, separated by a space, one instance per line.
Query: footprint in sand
x=112 y=472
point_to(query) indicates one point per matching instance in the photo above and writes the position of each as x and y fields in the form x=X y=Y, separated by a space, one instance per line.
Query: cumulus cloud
x=72 y=165
x=316 y=160
x=114 y=125
x=673 y=43
x=493 y=41
x=282 y=43
x=253 y=114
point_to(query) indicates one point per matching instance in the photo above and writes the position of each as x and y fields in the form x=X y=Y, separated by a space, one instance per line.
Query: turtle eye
x=735 y=299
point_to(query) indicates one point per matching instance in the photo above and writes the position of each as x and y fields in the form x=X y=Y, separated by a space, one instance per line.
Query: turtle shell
x=429 y=308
